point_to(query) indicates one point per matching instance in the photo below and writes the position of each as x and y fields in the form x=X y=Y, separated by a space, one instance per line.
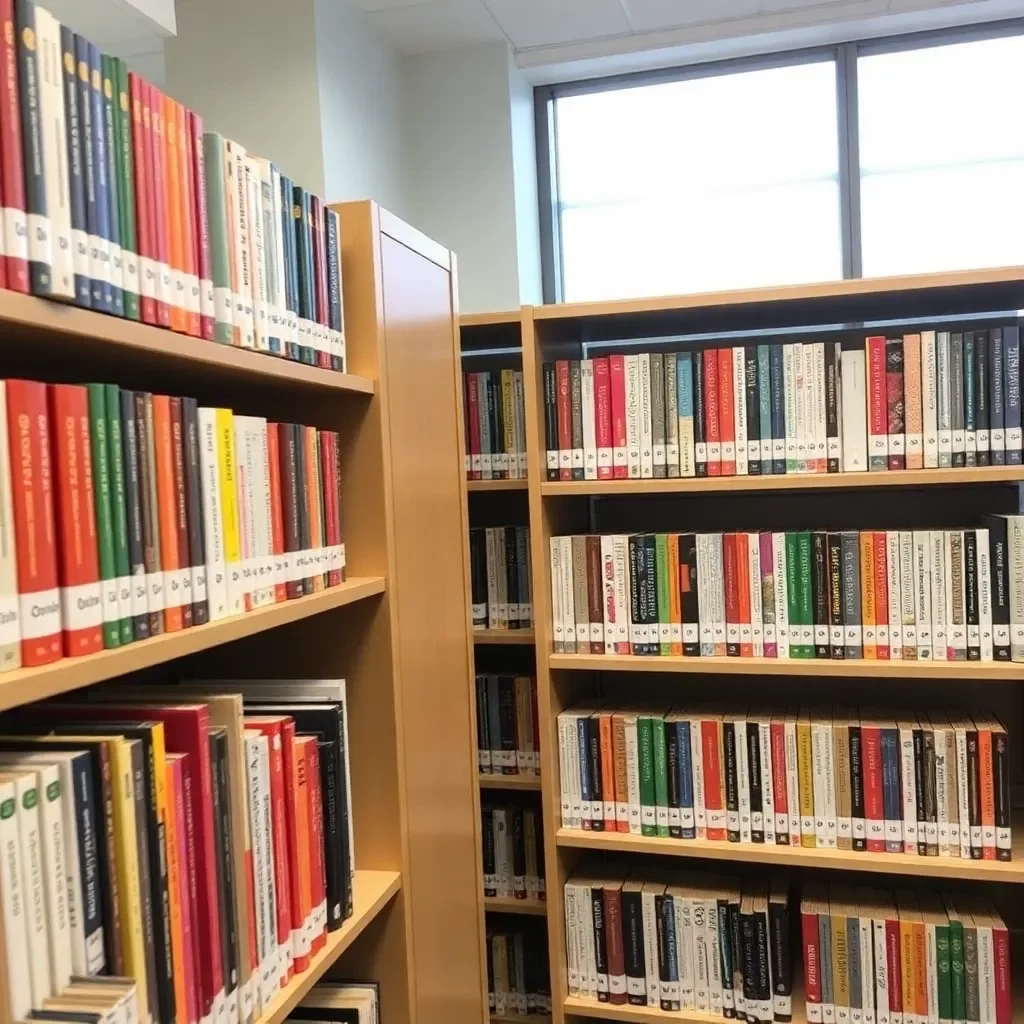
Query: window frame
x=844 y=55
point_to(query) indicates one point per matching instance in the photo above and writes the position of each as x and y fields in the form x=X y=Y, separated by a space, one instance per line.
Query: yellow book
x=805 y=776
x=229 y=509
x=174 y=874
x=840 y=954
x=907 y=976
x=508 y=412
x=867 y=594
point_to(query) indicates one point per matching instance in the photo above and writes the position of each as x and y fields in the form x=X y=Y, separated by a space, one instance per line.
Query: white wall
x=524 y=172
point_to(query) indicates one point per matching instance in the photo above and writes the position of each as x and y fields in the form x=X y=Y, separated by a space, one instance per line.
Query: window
x=897 y=157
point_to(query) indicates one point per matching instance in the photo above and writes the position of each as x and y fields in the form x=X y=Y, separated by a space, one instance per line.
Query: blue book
x=700 y=445
x=686 y=814
x=1011 y=394
x=101 y=184
x=291 y=287
x=996 y=414
x=76 y=172
x=764 y=405
x=113 y=202
x=586 y=810
x=334 y=283
x=684 y=409
x=778 y=411
x=891 y=790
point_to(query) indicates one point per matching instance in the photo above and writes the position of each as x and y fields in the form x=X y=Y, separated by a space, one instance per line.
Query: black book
x=507 y=720
x=753 y=438
x=523 y=576
x=651 y=585
x=487 y=828
x=748 y=950
x=667 y=951
x=973 y=793
x=478 y=575
x=735 y=979
x=996 y=406
x=832 y=392
x=672 y=772
x=754 y=781
x=483 y=732
x=511 y=575
x=594 y=769
x=600 y=941
x=820 y=594
x=194 y=506
x=999 y=585
x=1001 y=777
x=781 y=953
x=218 y=739
x=834 y=552
x=763 y=954
x=633 y=943
x=982 y=413
x=857 y=785
x=641 y=590
x=515 y=819
x=970 y=400
x=133 y=507
x=551 y=421
x=496 y=404
x=971 y=596
x=339 y=897
x=700 y=445
x=732 y=794
x=689 y=605
x=919 y=784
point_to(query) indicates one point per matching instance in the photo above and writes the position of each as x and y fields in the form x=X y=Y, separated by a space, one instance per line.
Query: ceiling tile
x=551 y=22
x=436 y=24
x=656 y=15
x=386 y=5
x=770 y=6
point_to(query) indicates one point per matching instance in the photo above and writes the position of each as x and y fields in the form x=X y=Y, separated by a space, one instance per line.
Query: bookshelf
x=398 y=403
x=562 y=507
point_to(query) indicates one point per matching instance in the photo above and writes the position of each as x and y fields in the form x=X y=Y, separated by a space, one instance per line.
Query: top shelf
x=68 y=331
x=507 y=316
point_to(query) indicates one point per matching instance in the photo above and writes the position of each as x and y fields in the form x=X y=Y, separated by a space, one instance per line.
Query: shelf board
x=371 y=891
x=974 y=475
x=30 y=684
x=499 y=485
x=510 y=782
x=505 y=316
x=574 y=1006
x=990 y=671
x=521 y=1018
x=508 y=905
x=1011 y=872
x=503 y=636
x=27 y=318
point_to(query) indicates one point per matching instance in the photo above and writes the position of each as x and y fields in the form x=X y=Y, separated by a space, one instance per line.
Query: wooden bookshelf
x=509 y=905
x=523 y=782
x=504 y=636
x=567 y=507
x=495 y=485
x=520 y=1018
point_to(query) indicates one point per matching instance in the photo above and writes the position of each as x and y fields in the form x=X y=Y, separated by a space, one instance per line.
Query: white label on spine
x=155 y=591
x=186 y=585
x=80 y=251
x=130 y=271
x=140 y=594
x=103 y=261
x=40 y=613
x=147 y=281
x=199 y=583
x=81 y=606
x=10 y=630
x=124 y=596
x=116 y=265
x=222 y=304
x=192 y=303
x=39 y=238
x=15 y=233
x=109 y=596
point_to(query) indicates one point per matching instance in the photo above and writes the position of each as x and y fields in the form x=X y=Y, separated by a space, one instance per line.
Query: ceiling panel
x=550 y=22
x=383 y=5
x=436 y=25
x=770 y=6
x=655 y=15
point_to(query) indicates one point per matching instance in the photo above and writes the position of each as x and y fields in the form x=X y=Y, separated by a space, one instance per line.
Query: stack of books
x=115 y=199
x=513 y=852
x=517 y=969
x=507 y=736
x=931 y=399
x=932 y=783
x=342 y=1002
x=148 y=825
x=495 y=425
x=125 y=514
x=868 y=594
x=499 y=559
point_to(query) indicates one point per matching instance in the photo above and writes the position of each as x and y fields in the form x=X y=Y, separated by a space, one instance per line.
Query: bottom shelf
x=371 y=892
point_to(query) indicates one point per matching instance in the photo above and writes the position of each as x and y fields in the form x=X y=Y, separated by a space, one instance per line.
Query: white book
x=242 y=312
x=923 y=592
x=714 y=960
x=18 y=996
x=986 y=973
x=10 y=624
x=894 y=631
x=53 y=130
x=631 y=366
x=942 y=775
x=620 y=549
x=820 y=415
x=633 y=774
x=907 y=582
x=930 y=399
x=585 y=911
x=569 y=624
x=909 y=786
x=557 y=614
x=589 y=431
x=568 y=821
x=937 y=544
x=792 y=780
x=502 y=852
x=961 y=726
x=700 y=813
x=258 y=774
x=781 y=604
x=791 y=402
x=273 y=250
x=257 y=256
x=854 y=424
x=1015 y=576
x=985 y=594
x=245 y=493
x=740 y=411
x=702 y=996
x=704 y=601
x=267 y=574
x=684 y=946
x=644 y=412
x=572 y=943
x=867 y=980
x=756 y=609
x=821 y=737
x=943 y=403
x=881 y=973
x=716 y=581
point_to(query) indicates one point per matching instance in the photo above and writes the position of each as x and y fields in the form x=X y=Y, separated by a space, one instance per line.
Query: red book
x=881 y=595
x=189 y=231
x=167 y=500
x=316 y=847
x=177 y=799
x=603 y=418
x=290 y=501
x=743 y=586
x=296 y=777
x=714 y=789
x=143 y=197
x=712 y=429
x=874 y=811
x=473 y=425
x=12 y=183
x=271 y=726
x=732 y=595
x=158 y=184
x=616 y=948
x=202 y=238
x=78 y=558
x=28 y=427
x=1004 y=1000
x=778 y=733
x=812 y=958
x=878 y=418
x=564 y=420
x=894 y=961
x=895 y=404
x=617 y=387
x=276 y=509
x=726 y=411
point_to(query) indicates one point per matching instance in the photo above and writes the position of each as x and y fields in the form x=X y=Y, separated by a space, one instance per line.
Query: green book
x=957 y=986
x=104 y=527
x=792 y=597
x=664 y=615
x=122 y=146
x=217 y=228
x=645 y=747
x=113 y=184
x=942 y=957
x=119 y=513
x=660 y=774
x=805 y=602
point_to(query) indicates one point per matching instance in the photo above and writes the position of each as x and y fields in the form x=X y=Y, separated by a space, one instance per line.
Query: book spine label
x=878 y=438
x=712 y=413
x=1011 y=397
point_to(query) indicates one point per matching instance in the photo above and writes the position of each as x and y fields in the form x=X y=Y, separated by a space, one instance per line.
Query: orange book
x=743 y=588
x=881 y=595
x=909 y=982
x=714 y=777
x=298 y=793
x=867 y=595
x=318 y=868
x=276 y=511
x=920 y=967
x=312 y=464
x=987 y=786
x=174 y=844
x=726 y=411
x=173 y=206
x=675 y=610
x=604 y=731
x=913 y=401
x=167 y=500
x=189 y=230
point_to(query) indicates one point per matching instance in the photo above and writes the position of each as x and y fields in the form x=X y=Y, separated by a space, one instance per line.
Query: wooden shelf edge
x=954 y=868
x=785 y=482
x=509 y=782
x=499 y=485
x=503 y=636
x=521 y=1018
x=992 y=671
x=43 y=317
x=508 y=905
x=574 y=1006
x=372 y=890
x=505 y=316
x=30 y=684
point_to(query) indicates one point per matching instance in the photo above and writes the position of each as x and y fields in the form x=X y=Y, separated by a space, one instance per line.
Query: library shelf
x=523 y=782
x=69 y=329
x=974 y=475
x=987 y=671
x=495 y=485
x=524 y=637
x=371 y=892
x=31 y=684
x=521 y=1018
x=505 y=316
x=575 y=1006
x=508 y=905
x=1008 y=872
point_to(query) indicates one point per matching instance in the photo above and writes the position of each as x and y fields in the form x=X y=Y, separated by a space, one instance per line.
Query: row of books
x=195 y=837
x=502 y=591
x=517 y=969
x=910 y=956
x=114 y=198
x=507 y=729
x=89 y=999
x=125 y=514
x=925 y=783
x=341 y=1002
x=495 y=425
x=701 y=942
x=930 y=399
x=939 y=595
x=513 y=851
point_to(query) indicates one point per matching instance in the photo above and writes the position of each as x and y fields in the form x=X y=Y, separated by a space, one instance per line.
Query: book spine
x=12 y=175
x=189 y=222
x=101 y=177
x=148 y=488
x=167 y=508
x=878 y=438
x=104 y=521
x=778 y=408
x=929 y=399
x=10 y=624
x=130 y=250
x=160 y=223
x=1011 y=396
x=139 y=590
x=727 y=410
x=196 y=532
x=111 y=151
x=140 y=127
x=76 y=171
x=180 y=510
x=996 y=392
